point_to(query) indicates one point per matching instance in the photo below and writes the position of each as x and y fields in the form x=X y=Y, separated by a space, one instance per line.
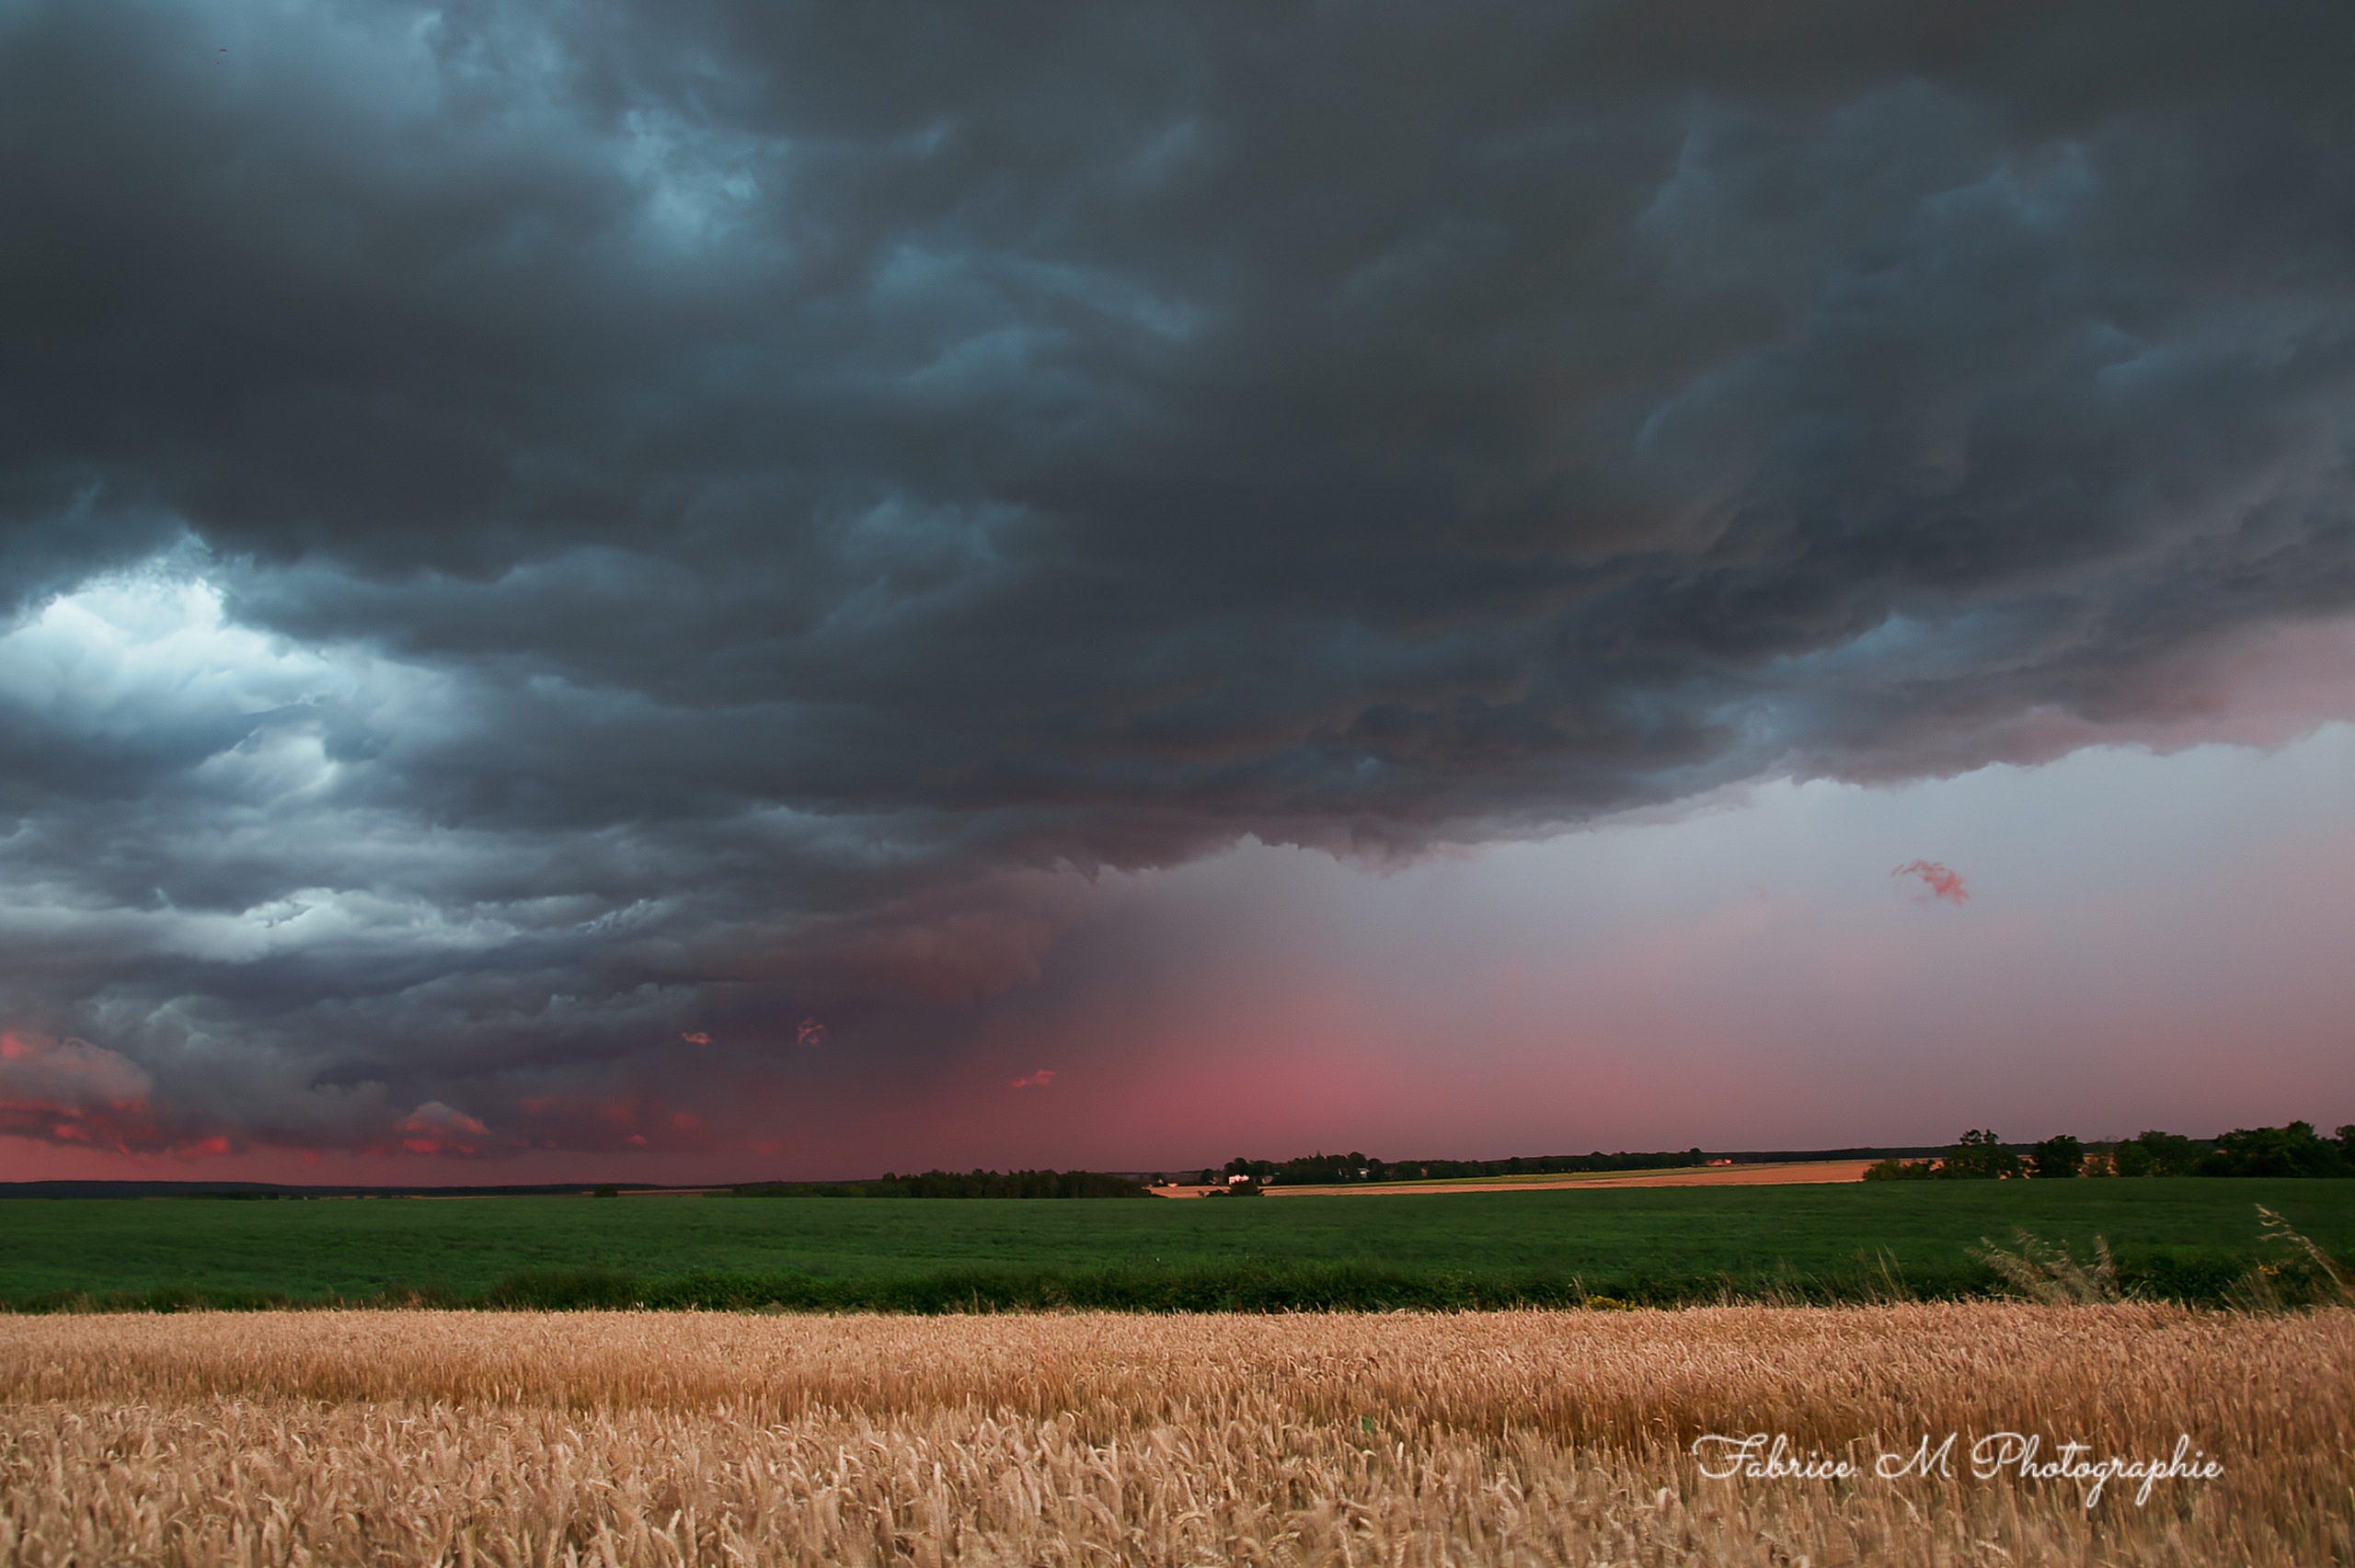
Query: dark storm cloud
x=537 y=528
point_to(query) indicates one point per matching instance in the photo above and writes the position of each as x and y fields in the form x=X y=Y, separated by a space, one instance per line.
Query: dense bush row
x=960 y=1183
x=1311 y=1170
x=2202 y=1278
x=1333 y=1170
x=2292 y=1150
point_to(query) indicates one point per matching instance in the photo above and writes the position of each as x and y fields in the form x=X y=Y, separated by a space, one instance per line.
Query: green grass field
x=2186 y=1238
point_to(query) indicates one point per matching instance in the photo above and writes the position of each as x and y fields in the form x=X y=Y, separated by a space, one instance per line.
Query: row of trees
x=2292 y=1150
x=961 y=1184
x=1333 y=1170
x=2296 y=1150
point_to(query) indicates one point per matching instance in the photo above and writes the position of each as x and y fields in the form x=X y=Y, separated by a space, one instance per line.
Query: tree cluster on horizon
x=960 y=1183
x=2296 y=1150
x=1337 y=1170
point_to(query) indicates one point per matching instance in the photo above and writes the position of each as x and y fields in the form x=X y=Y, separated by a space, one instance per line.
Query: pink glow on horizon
x=74 y=1093
x=2167 y=951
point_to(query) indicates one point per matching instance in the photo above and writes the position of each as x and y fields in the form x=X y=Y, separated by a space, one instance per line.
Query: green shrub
x=1980 y=1156
x=2292 y=1150
x=2061 y=1156
x=2156 y=1155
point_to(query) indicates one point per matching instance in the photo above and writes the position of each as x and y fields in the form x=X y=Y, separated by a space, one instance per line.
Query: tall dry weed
x=2050 y=1274
x=641 y=1438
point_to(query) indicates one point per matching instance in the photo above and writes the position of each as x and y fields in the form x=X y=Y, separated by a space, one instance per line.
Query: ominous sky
x=717 y=588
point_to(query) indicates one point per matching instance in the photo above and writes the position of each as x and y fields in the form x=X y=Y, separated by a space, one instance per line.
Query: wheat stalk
x=1514 y=1437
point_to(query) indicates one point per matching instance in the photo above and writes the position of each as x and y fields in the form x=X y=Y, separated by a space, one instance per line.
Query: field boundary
x=1805 y=1174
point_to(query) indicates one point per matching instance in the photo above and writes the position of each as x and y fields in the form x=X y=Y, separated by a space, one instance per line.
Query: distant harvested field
x=1808 y=1172
x=633 y=1438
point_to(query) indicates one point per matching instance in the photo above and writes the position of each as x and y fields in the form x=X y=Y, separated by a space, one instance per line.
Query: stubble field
x=1541 y=1437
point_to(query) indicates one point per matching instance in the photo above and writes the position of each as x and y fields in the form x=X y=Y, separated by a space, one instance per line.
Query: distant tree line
x=2292 y=1150
x=1334 y=1170
x=961 y=1184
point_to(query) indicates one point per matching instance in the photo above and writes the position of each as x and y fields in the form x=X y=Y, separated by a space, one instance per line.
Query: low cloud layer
x=538 y=539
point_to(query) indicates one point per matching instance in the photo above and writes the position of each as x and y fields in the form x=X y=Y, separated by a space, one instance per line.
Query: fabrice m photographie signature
x=1773 y=1456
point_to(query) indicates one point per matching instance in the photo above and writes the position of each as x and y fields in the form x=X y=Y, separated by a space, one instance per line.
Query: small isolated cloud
x=1037 y=1079
x=1942 y=883
x=697 y=1039
x=811 y=1033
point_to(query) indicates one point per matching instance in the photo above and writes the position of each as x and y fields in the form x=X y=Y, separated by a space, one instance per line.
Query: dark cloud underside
x=576 y=521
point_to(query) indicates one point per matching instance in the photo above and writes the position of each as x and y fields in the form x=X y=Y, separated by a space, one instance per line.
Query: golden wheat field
x=418 y=1437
